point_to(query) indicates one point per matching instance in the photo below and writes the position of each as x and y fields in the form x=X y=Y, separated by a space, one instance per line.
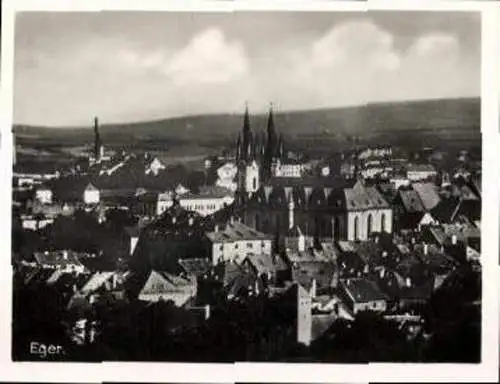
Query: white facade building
x=236 y=241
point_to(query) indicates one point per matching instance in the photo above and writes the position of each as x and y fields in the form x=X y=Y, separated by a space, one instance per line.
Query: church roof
x=363 y=197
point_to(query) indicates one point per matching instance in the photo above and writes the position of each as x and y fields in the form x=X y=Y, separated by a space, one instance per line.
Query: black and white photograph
x=252 y=186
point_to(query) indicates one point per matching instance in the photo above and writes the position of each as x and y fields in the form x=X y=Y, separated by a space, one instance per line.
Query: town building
x=363 y=295
x=420 y=172
x=179 y=289
x=208 y=200
x=236 y=241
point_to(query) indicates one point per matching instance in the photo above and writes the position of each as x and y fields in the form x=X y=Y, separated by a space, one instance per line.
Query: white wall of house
x=238 y=250
x=44 y=196
x=91 y=196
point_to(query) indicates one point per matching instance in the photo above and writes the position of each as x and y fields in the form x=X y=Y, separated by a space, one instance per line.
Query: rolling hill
x=454 y=120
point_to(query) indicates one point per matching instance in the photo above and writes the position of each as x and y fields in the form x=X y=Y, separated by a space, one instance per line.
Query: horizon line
x=263 y=112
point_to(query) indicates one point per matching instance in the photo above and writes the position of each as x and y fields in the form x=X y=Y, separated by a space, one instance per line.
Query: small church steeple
x=97 y=140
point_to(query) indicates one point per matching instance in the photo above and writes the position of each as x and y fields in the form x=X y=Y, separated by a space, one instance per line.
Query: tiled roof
x=362 y=197
x=57 y=259
x=428 y=194
x=362 y=290
x=411 y=201
x=446 y=209
x=195 y=267
x=163 y=282
x=266 y=263
x=96 y=281
x=420 y=168
x=236 y=232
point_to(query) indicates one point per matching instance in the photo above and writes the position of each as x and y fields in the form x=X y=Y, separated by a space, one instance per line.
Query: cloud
x=358 y=42
x=130 y=78
x=208 y=58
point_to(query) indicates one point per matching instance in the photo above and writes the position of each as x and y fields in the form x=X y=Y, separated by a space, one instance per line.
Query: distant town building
x=207 y=201
x=420 y=172
x=91 y=195
x=286 y=168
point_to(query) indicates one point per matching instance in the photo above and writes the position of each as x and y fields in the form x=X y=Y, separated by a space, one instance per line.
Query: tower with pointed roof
x=248 y=168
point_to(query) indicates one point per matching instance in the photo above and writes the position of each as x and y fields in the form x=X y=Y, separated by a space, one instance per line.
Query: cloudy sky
x=130 y=66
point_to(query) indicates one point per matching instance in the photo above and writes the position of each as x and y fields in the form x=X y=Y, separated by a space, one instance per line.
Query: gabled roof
x=97 y=280
x=163 y=283
x=362 y=290
x=362 y=197
x=446 y=210
x=266 y=263
x=236 y=232
x=411 y=201
x=427 y=192
x=195 y=267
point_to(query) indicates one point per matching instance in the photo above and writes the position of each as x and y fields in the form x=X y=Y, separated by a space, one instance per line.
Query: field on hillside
x=446 y=124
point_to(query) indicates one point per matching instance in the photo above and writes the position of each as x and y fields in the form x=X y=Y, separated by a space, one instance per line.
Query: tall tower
x=271 y=150
x=247 y=140
x=97 y=140
x=248 y=169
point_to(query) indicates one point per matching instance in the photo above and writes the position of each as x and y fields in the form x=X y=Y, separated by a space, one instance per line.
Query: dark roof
x=446 y=209
x=362 y=290
x=266 y=263
x=411 y=201
x=195 y=267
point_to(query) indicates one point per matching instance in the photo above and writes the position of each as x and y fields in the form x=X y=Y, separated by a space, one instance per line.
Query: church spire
x=238 y=148
x=281 y=147
x=247 y=142
x=246 y=120
x=272 y=141
x=97 y=140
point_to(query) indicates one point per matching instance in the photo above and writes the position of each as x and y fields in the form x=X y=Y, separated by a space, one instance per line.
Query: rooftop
x=362 y=290
x=236 y=231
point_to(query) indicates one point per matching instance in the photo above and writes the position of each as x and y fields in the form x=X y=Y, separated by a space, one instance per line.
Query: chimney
x=408 y=282
x=291 y=207
x=216 y=229
x=190 y=221
x=65 y=255
x=377 y=239
x=454 y=239
x=426 y=249
x=207 y=312
x=174 y=220
x=382 y=272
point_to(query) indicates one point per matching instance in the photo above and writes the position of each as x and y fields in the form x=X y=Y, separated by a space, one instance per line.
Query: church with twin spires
x=323 y=207
x=257 y=154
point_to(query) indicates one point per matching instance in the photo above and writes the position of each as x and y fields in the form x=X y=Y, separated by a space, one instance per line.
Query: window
x=382 y=224
x=249 y=245
x=356 y=230
x=221 y=247
x=236 y=246
x=254 y=183
x=369 y=224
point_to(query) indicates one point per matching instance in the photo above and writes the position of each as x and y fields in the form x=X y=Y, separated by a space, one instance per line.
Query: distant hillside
x=448 y=119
